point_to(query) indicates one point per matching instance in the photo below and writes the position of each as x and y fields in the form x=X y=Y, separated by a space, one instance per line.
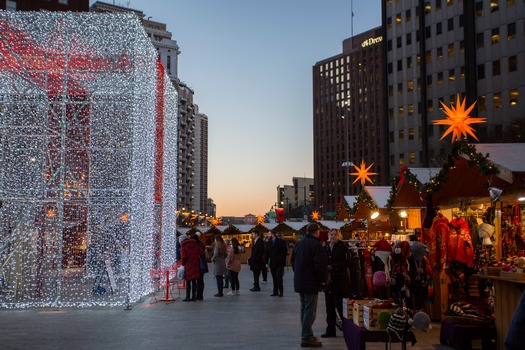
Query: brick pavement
x=253 y=320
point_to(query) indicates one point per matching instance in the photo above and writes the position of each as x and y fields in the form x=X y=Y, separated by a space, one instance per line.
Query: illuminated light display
x=362 y=173
x=88 y=150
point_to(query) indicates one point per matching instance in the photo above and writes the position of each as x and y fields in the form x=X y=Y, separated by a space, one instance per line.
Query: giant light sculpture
x=87 y=160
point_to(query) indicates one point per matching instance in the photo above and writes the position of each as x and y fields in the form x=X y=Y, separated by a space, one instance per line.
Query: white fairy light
x=78 y=114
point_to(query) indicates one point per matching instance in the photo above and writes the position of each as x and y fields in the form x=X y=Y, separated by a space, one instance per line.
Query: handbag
x=180 y=272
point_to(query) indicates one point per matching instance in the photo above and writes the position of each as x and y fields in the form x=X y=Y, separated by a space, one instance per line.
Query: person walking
x=256 y=259
x=309 y=263
x=233 y=264
x=338 y=285
x=219 y=263
x=203 y=266
x=277 y=252
x=227 y=275
x=190 y=252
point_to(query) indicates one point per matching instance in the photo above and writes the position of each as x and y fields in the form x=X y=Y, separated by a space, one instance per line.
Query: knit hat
x=403 y=249
x=419 y=250
x=379 y=279
x=382 y=318
x=484 y=232
x=420 y=321
x=183 y=237
x=397 y=322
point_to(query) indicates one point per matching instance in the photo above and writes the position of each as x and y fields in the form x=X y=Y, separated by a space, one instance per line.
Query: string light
x=80 y=102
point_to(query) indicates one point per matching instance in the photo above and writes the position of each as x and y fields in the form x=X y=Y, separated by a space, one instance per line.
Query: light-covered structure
x=88 y=160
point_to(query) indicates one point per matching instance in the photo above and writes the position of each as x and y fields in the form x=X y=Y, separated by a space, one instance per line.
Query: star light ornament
x=315 y=215
x=362 y=173
x=459 y=120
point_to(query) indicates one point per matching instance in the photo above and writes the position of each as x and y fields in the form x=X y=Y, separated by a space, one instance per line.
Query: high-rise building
x=47 y=5
x=438 y=49
x=192 y=126
x=349 y=118
x=296 y=198
x=200 y=200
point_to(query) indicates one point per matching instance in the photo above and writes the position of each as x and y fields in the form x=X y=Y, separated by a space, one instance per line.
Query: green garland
x=457 y=148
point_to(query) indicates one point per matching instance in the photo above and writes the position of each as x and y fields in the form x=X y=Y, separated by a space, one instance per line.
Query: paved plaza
x=253 y=320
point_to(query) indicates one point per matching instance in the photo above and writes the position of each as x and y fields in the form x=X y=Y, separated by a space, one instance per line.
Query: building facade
x=437 y=49
x=296 y=198
x=349 y=119
x=200 y=199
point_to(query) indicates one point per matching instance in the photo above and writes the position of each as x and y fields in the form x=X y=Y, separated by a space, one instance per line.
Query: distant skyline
x=250 y=65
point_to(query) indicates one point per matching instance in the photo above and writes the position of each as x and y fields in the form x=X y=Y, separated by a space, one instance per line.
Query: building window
x=461 y=21
x=482 y=103
x=401 y=159
x=430 y=107
x=391 y=137
x=496 y=68
x=390 y=67
x=400 y=112
x=513 y=63
x=390 y=113
x=513 y=97
x=407 y=15
x=440 y=78
x=450 y=50
x=410 y=109
x=409 y=38
x=390 y=90
x=450 y=24
x=389 y=45
x=510 y=3
x=399 y=65
x=438 y=4
x=494 y=5
x=439 y=53
x=495 y=36
x=169 y=64
x=439 y=28
x=429 y=81
x=481 y=71
x=450 y=2
x=479 y=41
x=511 y=31
x=392 y=160
x=410 y=85
x=428 y=32
x=427 y=7
x=412 y=157
x=462 y=72
x=497 y=100
x=10 y=5
x=479 y=8
x=428 y=56
x=398 y=18
x=430 y=130
x=399 y=88
x=411 y=133
x=389 y=22
x=399 y=42
x=451 y=75
x=462 y=46
x=409 y=62
x=401 y=135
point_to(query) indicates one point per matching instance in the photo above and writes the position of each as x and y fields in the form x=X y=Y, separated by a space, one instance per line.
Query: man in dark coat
x=309 y=263
x=338 y=286
x=277 y=252
x=256 y=259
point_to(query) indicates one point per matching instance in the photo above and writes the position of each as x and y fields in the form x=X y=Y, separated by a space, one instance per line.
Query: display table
x=356 y=337
x=507 y=296
x=460 y=336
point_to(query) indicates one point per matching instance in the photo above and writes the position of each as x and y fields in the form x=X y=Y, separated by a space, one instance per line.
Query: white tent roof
x=424 y=174
x=379 y=194
x=222 y=227
x=244 y=228
x=507 y=157
x=351 y=200
x=333 y=224
x=296 y=225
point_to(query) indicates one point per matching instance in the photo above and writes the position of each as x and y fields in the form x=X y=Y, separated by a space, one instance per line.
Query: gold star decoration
x=260 y=219
x=459 y=120
x=362 y=173
x=315 y=215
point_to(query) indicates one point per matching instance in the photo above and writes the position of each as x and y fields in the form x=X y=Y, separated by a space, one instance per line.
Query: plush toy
x=420 y=321
x=383 y=318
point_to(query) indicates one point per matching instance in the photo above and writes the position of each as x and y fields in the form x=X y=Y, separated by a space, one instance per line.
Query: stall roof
x=379 y=194
x=507 y=157
x=424 y=174
x=351 y=200
x=330 y=224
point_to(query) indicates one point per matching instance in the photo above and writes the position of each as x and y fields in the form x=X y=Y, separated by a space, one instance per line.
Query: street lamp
x=346 y=164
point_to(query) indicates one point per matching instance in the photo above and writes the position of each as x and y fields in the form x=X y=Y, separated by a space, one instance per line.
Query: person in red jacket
x=190 y=254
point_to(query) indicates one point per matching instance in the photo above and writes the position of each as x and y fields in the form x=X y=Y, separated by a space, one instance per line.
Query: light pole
x=346 y=164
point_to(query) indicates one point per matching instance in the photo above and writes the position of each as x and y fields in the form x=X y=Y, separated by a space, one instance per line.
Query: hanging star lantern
x=315 y=215
x=260 y=219
x=459 y=120
x=362 y=173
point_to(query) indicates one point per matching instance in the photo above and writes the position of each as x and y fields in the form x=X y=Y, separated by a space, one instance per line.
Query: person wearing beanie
x=309 y=263
x=190 y=253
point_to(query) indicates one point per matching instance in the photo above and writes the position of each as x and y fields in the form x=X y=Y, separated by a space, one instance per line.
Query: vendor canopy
x=87 y=159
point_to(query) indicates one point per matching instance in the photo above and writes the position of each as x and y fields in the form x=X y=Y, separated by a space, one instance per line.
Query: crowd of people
x=317 y=267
